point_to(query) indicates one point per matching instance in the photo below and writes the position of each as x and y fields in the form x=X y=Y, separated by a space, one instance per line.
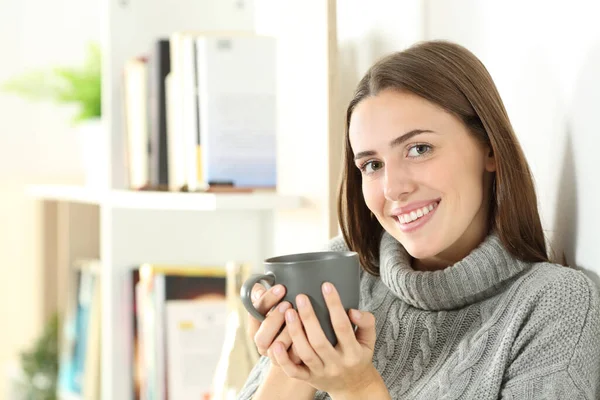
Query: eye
x=371 y=166
x=418 y=150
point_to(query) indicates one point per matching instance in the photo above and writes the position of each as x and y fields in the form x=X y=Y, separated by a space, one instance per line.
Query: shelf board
x=148 y=200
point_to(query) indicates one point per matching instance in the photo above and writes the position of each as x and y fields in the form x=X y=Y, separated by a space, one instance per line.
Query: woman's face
x=424 y=176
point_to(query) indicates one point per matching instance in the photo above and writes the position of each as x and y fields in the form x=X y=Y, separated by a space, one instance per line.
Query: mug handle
x=246 y=292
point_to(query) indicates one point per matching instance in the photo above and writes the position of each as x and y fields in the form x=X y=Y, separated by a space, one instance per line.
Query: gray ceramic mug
x=305 y=273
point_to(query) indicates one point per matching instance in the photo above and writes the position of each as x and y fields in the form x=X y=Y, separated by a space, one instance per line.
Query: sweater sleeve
x=557 y=355
x=255 y=378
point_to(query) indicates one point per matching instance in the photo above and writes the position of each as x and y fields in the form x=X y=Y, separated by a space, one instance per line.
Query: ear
x=490 y=160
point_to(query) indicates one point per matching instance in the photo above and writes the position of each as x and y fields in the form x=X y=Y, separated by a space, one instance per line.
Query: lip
x=412 y=207
x=414 y=225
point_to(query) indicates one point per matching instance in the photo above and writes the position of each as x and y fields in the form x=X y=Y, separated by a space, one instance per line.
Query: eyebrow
x=396 y=142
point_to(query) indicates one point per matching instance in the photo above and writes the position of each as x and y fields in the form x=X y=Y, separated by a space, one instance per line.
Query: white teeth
x=413 y=215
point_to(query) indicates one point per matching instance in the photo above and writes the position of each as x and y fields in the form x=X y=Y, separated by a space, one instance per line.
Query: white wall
x=36 y=145
x=545 y=59
x=369 y=30
x=303 y=112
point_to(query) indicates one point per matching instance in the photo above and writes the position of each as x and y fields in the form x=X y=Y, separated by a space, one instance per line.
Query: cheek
x=439 y=175
x=373 y=195
x=464 y=178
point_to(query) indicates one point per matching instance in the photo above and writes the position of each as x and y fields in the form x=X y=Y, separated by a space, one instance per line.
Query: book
x=79 y=360
x=237 y=109
x=159 y=67
x=135 y=87
x=181 y=318
x=185 y=116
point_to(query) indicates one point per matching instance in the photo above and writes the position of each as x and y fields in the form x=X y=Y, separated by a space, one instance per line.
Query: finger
x=293 y=353
x=257 y=292
x=269 y=299
x=291 y=369
x=339 y=319
x=285 y=339
x=303 y=348
x=316 y=337
x=269 y=329
x=365 y=332
x=265 y=300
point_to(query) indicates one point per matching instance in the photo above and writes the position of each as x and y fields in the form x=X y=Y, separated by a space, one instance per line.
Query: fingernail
x=278 y=289
x=289 y=316
x=283 y=306
x=301 y=301
x=257 y=294
x=327 y=288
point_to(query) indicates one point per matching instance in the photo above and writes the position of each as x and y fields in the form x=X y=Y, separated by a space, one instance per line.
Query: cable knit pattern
x=487 y=327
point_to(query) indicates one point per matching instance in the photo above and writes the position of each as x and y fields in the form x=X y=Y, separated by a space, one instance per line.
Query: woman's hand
x=265 y=332
x=342 y=370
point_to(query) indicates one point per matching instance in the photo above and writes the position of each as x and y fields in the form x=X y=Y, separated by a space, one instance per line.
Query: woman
x=458 y=297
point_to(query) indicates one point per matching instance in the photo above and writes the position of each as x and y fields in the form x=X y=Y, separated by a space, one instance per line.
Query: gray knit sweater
x=488 y=327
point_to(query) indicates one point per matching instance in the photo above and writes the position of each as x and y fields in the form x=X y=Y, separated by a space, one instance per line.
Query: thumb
x=365 y=324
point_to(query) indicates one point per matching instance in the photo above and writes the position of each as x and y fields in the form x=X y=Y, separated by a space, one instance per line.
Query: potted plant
x=79 y=86
x=36 y=376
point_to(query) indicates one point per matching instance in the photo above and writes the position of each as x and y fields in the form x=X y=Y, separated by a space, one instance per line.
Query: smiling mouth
x=415 y=215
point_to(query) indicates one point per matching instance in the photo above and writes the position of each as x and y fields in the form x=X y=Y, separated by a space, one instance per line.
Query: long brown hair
x=450 y=76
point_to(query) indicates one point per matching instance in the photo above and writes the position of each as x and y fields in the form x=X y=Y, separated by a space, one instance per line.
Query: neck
x=430 y=264
x=457 y=250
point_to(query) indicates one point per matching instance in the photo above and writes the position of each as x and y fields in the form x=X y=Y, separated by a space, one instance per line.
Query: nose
x=397 y=183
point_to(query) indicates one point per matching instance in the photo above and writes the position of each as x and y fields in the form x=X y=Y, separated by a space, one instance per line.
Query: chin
x=418 y=248
x=420 y=252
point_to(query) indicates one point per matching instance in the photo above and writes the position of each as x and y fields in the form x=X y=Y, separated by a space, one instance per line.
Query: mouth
x=417 y=218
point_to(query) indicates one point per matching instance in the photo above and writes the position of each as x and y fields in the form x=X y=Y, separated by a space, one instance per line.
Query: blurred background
x=544 y=57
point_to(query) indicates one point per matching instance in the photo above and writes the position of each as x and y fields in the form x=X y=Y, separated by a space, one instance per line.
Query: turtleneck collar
x=479 y=275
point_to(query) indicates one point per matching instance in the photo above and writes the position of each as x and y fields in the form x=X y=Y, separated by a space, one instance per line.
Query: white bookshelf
x=163 y=228
x=129 y=228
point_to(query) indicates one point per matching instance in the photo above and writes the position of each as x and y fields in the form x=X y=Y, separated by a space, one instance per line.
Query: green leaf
x=42 y=358
x=81 y=86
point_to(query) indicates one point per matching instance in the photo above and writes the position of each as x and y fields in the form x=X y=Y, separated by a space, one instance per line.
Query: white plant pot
x=92 y=145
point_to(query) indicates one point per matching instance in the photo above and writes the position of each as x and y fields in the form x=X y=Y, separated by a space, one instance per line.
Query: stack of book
x=200 y=113
x=188 y=337
x=179 y=329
